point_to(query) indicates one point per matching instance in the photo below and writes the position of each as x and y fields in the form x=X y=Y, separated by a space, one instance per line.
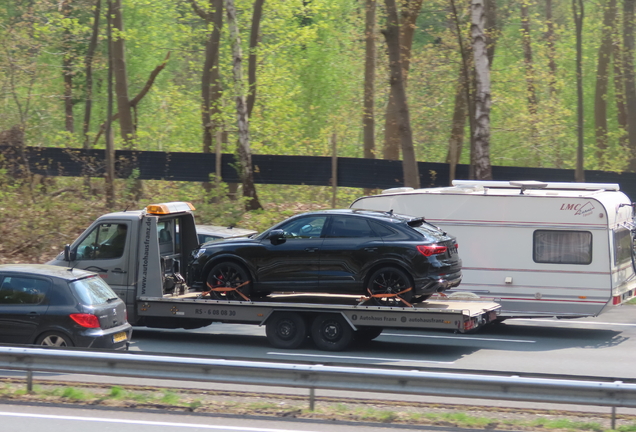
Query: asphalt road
x=603 y=346
x=592 y=347
x=17 y=418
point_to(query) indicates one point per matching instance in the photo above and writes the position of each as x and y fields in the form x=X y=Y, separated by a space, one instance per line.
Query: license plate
x=119 y=337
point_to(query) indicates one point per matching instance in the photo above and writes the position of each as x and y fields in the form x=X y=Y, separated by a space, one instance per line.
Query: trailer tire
x=286 y=330
x=390 y=280
x=228 y=274
x=367 y=334
x=331 y=332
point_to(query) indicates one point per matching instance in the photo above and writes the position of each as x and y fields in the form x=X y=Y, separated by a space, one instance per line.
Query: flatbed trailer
x=144 y=268
x=333 y=322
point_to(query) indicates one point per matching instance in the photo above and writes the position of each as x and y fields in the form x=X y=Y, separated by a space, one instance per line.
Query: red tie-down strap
x=387 y=295
x=227 y=289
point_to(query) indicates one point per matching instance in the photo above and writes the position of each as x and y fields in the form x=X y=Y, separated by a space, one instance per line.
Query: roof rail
x=531 y=184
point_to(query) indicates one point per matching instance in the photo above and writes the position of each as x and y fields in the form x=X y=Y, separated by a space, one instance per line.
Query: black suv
x=388 y=257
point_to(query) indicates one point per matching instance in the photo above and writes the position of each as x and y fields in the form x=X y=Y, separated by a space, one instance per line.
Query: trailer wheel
x=229 y=274
x=367 y=334
x=392 y=282
x=286 y=330
x=331 y=332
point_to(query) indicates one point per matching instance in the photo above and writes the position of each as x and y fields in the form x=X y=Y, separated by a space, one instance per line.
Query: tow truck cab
x=142 y=252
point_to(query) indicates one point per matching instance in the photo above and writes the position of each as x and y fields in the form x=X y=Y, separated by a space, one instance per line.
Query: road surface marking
x=148 y=423
x=357 y=358
x=564 y=321
x=459 y=337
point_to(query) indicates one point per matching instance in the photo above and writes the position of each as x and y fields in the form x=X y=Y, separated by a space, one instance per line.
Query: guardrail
x=514 y=388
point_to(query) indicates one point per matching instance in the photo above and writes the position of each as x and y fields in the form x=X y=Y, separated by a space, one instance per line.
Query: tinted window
x=382 y=230
x=23 y=290
x=305 y=227
x=92 y=290
x=350 y=227
x=103 y=242
x=166 y=243
x=562 y=247
x=622 y=246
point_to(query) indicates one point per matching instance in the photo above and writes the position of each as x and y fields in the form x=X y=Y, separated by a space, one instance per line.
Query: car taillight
x=430 y=250
x=85 y=320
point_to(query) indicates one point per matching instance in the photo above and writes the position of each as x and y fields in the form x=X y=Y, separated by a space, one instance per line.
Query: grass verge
x=371 y=411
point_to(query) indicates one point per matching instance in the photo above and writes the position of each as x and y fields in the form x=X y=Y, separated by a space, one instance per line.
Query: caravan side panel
x=502 y=240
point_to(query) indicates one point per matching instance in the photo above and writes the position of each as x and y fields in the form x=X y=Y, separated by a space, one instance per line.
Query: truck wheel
x=367 y=334
x=54 y=339
x=229 y=274
x=286 y=330
x=331 y=332
x=390 y=280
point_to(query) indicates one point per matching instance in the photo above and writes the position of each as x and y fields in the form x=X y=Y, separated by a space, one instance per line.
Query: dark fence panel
x=275 y=169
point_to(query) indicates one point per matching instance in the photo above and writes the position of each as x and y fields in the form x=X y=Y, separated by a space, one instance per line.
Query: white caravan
x=540 y=249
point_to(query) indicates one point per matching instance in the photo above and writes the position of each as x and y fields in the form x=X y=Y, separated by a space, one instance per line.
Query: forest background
x=561 y=80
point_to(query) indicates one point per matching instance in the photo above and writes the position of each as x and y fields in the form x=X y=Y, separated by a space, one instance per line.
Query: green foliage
x=310 y=75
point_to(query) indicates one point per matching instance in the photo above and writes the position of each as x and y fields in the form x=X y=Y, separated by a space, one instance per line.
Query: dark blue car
x=60 y=307
x=388 y=257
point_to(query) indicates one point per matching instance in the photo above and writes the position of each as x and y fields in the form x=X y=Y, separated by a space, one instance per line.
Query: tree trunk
x=527 y=57
x=244 y=151
x=210 y=92
x=409 y=13
x=492 y=30
x=628 y=73
x=89 y=73
x=68 y=60
x=579 y=14
x=483 y=169
x=392 y=35
x=126 y=124
x=109 y=179
x=368 y=114
x=619 y=83
x=251 y=69
x=549 y=37
x=466 y=68
x=602 y=78
x=530 y=88
x=455 y=142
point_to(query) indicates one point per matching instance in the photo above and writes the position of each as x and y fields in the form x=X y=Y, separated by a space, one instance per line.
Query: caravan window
x=562 y=247
x=622 y=246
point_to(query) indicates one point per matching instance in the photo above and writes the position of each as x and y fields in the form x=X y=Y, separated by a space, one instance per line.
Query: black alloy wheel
x=286 y=330
x=394 y=283
x=231 y=276
x=331 y=332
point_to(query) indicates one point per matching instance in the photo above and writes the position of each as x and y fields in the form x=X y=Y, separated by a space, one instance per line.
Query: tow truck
x=144 y=254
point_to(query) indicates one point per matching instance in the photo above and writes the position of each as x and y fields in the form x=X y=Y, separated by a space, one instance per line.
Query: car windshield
x=93 y=290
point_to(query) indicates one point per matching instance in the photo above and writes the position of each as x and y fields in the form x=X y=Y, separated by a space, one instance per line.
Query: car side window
x=382 y=230
x=103 y=242
x=349 y=227
x=23 y=290
x=304 y=228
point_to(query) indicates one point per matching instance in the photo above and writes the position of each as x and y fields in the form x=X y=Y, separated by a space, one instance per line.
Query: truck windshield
x=92 y=290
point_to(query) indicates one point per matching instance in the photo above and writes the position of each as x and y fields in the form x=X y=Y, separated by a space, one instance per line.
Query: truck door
x=105 y=250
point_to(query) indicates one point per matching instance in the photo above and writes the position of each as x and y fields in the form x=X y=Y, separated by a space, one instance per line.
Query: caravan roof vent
x=398 y=190
x=528 y=184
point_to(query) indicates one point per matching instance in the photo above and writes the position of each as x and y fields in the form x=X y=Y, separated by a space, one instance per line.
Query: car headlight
x=197 y=253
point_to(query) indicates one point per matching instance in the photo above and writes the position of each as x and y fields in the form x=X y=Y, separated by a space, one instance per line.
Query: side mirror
x=277 y=236
x=68 y=254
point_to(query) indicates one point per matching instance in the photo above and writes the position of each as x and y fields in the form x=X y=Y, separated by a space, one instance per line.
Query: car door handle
x=370 y=249
x=118 y=270
x=311 y=249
